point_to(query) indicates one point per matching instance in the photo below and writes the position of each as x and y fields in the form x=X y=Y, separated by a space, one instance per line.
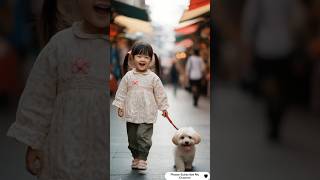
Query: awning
x=187 y=30
x=188 y=27
x=196 y=12
x=189 y=22
x=194 y=4
x=182 y=37
x=185 y=43
x=130 y=11
x=133 y=25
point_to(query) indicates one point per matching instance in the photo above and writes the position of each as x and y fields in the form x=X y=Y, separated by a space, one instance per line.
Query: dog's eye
x=190 y=137
x=182 y=137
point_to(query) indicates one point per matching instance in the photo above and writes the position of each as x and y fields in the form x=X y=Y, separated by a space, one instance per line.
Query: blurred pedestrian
x=174 y=73
x=270 y=31
x=115 y=62
x=194 y=72
x=62 y=113
x=139 y=96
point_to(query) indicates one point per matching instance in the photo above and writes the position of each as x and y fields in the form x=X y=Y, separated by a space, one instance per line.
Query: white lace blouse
x=141 y=95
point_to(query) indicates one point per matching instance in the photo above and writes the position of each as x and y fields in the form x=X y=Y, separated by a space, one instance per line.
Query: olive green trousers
x=139 y=138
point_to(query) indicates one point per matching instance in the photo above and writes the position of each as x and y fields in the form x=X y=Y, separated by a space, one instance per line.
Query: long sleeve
x=160 y=95
x=36 y=104
x=121 y=94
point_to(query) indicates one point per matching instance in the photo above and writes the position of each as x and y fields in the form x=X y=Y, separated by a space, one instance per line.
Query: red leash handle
x=167 y=116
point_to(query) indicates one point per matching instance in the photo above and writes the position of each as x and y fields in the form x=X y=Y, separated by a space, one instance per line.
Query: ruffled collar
x=134 y=70
x=78 y=31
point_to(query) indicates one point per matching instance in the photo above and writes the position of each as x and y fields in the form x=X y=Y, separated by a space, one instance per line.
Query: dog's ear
x=196 y=137
x=175 y=138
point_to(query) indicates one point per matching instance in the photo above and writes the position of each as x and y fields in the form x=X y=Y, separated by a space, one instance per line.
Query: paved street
x=160 y=159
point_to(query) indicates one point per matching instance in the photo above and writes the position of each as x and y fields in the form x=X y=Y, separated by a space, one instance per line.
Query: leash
x=167 y=116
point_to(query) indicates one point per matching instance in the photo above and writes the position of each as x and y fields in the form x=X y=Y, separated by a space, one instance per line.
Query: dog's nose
x=187 y=143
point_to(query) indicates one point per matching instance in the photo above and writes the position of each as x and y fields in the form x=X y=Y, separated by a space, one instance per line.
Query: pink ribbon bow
x=80 y=66
x=135 y=82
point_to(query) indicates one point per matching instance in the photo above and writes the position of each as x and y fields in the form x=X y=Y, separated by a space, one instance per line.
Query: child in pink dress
x=139 y=97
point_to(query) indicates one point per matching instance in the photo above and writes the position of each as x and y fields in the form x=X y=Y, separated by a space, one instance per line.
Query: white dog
x=185 y=139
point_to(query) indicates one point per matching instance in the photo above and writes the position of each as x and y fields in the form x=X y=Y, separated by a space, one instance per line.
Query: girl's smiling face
x=141 y=55
x=142 y=62
x=95 y=13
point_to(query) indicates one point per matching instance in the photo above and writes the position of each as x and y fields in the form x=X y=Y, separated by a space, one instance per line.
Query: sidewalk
x=161 y=158
x=242 y=151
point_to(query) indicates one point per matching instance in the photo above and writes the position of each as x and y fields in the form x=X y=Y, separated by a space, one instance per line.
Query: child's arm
x=35 y=108
x=160 y=95
x=121 y=95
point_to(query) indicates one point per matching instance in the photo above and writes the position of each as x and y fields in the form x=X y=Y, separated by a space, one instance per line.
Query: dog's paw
x=180 y=170
x=189 y=167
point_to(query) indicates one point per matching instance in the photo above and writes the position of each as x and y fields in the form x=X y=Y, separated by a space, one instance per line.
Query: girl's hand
x=33 y=161
x=164 y=113
x=120 y=112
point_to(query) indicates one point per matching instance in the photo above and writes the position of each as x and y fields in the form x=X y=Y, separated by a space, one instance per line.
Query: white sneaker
x=135 y=163
x=142 y=165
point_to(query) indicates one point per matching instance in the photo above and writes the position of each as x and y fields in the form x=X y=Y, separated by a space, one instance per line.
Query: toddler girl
x=139 y=97
x=62 y=112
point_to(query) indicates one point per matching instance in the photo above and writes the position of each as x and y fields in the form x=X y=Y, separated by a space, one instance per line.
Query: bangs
x=142 y=49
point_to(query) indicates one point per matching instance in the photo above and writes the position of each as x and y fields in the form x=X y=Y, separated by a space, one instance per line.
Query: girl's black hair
x=145 y=49
x=157 y=65
x=125 y=65
x=142 y=48
x=48 y=21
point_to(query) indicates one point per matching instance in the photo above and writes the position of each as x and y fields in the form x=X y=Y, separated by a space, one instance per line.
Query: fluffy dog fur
x=185 y=139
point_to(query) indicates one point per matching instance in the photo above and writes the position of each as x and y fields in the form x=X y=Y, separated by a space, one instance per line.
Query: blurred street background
x=265 y=115
x=19 y=46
